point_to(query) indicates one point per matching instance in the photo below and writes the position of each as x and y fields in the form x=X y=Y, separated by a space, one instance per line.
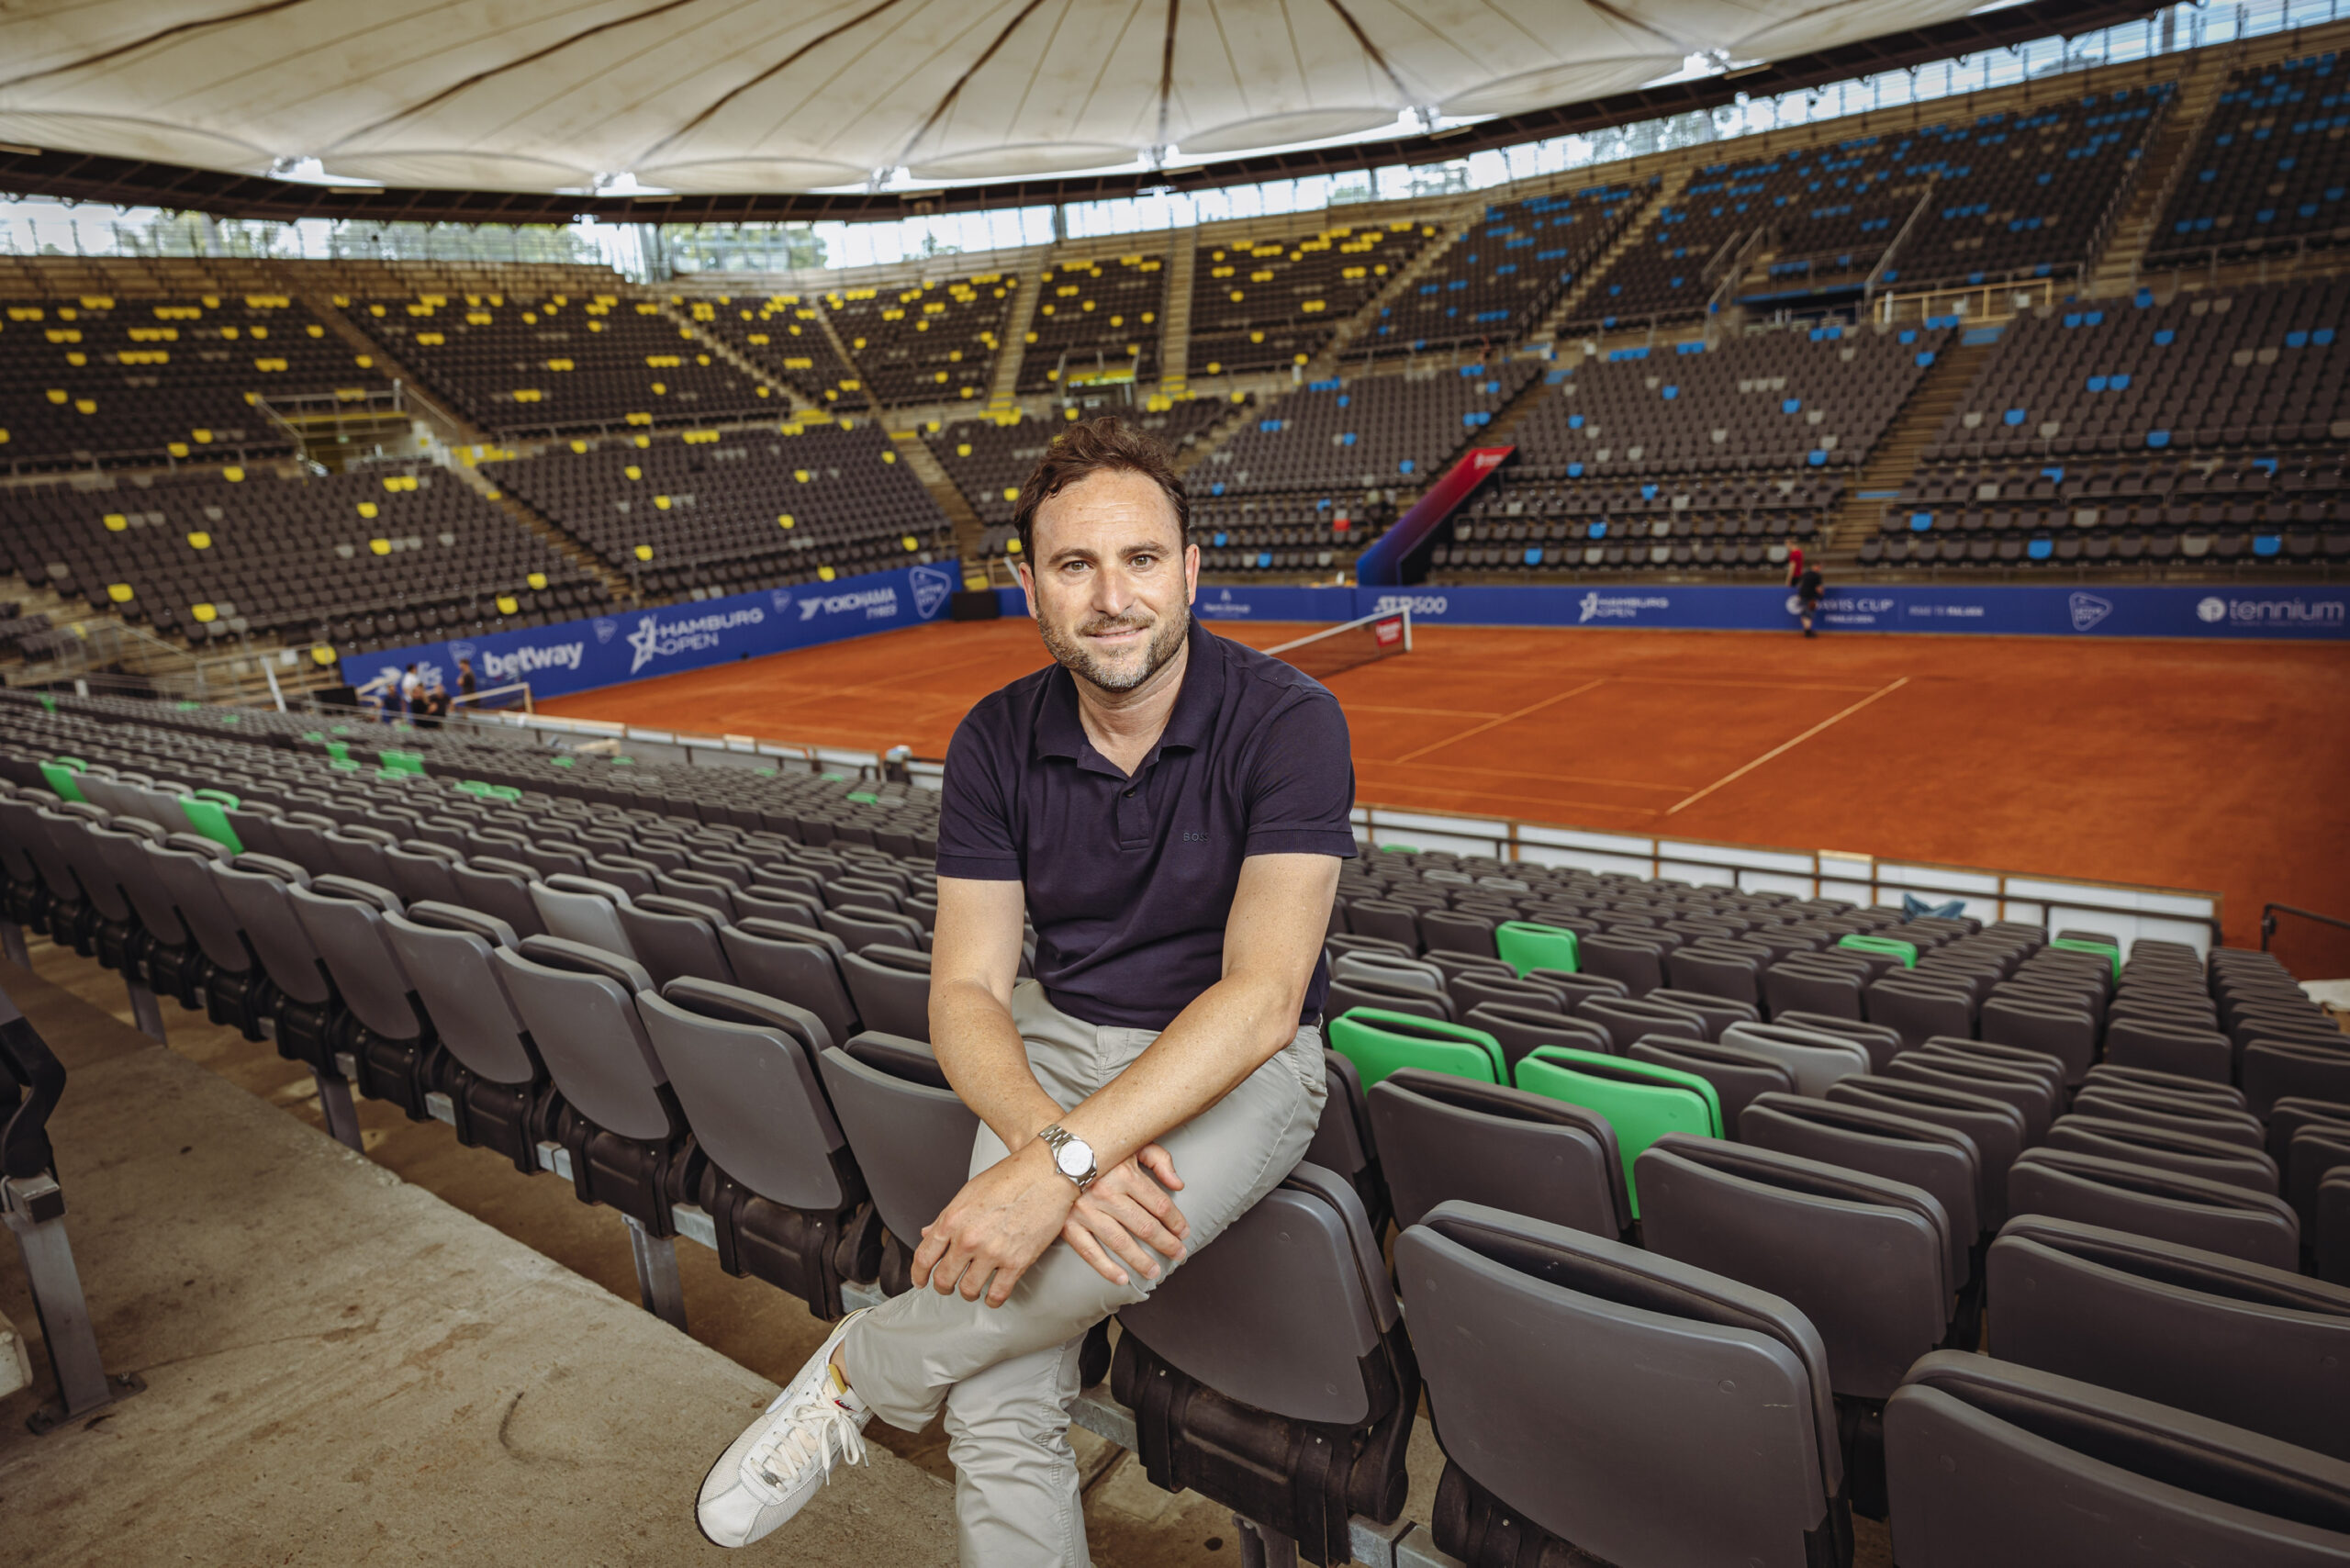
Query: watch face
x=1074 y=1159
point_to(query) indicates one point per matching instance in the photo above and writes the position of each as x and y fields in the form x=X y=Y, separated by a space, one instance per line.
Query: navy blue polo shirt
x=1129 y=881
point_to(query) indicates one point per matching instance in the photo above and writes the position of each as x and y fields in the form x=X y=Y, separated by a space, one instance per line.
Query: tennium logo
x=2294 y=612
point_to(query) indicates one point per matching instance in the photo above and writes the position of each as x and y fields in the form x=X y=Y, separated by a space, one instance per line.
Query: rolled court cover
x=1336 y=649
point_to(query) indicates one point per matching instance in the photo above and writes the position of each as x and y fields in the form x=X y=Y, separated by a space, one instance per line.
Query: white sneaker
x=769 y=1473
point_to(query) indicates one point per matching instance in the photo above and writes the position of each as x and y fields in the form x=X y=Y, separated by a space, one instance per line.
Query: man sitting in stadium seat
x=1170 y=809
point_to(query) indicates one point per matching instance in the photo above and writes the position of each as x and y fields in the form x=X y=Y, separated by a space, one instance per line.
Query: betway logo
x=874 y=602
x=1619 y=607
x=530 y=661
x=656 y=638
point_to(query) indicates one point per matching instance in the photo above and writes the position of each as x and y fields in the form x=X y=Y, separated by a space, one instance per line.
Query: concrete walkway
x=343 y=1370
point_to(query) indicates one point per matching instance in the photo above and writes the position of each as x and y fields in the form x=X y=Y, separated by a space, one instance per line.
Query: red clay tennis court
x=2218 y=767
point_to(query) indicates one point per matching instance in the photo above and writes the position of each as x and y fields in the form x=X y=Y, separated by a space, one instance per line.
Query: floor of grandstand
x=340 y=1367
x=2205 y=766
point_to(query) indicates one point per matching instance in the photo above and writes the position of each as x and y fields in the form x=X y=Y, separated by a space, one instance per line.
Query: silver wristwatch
x=1072 y=1156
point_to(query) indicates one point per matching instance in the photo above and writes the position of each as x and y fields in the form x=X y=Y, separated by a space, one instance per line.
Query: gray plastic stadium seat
x=1865 y=1259
x=706 y=888
x=2067 y=1034
x=420 y=872
x=1923 y=1154
x=2146 y=1201
x=1814 y=1058
x=674 y=936
x=1388 y=969
x=1469 y=991
x=501 y=888
x=890 y=986
x=783 y=1190
x=1519 y=1030
x=1717 y=1012
x=1918 y=1009
x=912 y=1138
x=357 y=855
x=1639 y=965
x=861 y=928
x=497 y=1083
x=1441 y=1138
x=1995 y=1127
x=236 y=989
x=1269 y=1372
x=1342 y=1140
x=2188 y=1052
x=1574 y=988
x=1801 y=984
x=171 y=963
x=344 y=918
x=2250 y=1168
x=2277 y=1069
x=1383 y=918
x=798 y=963
x=580 y=909
x=1628 y=1019
x=1737 y=1074
x=1630 y=1406
x=2257 y=1347
x=621 y=1124
x=1361 y=990
x=2028 y=1093
x=626 y=872
x=1457 y=930
x=1990 y=1463
x=2176 y=1113
x=1882 y=1042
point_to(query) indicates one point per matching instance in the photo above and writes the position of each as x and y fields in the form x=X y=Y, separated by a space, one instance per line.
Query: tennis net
x=1353 y=644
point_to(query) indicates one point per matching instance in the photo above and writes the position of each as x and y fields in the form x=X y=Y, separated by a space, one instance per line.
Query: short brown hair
x=1090 y=447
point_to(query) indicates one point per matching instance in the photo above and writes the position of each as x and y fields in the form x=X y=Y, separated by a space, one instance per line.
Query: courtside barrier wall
x=2033 y=609
x=576 y=656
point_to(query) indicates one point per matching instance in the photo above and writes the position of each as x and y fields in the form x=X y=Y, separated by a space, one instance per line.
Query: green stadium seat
x=1526 y=944
x=1378 y=1042
x=1891 y=946
x=1640 y=1100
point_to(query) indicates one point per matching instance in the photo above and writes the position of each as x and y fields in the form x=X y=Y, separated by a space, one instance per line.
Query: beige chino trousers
x=1007 y=1375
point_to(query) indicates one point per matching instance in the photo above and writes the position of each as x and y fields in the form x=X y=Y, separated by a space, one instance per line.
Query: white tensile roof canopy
x=741 y=96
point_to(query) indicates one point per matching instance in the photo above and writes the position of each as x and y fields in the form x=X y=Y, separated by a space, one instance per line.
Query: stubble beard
x=1068 y=649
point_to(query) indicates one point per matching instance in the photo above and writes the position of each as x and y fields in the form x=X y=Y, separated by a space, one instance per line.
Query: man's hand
x=1006 y=1216
x=1126 y=1208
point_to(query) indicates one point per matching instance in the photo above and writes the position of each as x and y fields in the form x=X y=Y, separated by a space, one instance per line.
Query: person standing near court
x=1169 y=809
x=466 y=679
x=1809 y=585
x=411 y=692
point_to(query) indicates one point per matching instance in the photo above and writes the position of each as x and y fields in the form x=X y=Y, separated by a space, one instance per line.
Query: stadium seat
x=1814 y=1058
x=1442 y=1137
x=1641 y=1101
x=1573 y=1380
x=1269 y=1372
x=2255 y=1347
x=2144 y=1200
x=1738 y=1074
x=1379 y=1040
x=1990 y=1463
x=912 y=1138
x=890 y=986
x=394 y=1039
x=1995 y=1127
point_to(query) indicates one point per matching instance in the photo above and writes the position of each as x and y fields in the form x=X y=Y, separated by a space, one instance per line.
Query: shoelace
x=816 y=1432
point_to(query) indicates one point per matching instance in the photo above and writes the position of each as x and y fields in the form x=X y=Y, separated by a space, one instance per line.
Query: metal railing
x=2001 y=300
x=2270 y=912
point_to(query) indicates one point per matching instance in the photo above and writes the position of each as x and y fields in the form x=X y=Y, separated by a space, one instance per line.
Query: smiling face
x=1110 y=579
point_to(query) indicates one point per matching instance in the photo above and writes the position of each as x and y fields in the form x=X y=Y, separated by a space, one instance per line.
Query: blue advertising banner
x=2266 y=610
x=576 y=656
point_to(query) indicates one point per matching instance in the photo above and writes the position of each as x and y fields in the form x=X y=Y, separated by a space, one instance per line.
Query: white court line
x=1788 y=746
x=1496 y=723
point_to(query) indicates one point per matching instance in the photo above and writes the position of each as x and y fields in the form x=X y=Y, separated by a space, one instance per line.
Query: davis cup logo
x=932 y=588
x=2212 y=610
x=2088 y=610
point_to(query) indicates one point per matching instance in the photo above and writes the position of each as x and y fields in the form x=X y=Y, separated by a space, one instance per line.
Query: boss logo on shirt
x=1195 y=838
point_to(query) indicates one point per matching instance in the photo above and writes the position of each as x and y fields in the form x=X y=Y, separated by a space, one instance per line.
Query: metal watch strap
x=1054 y=1136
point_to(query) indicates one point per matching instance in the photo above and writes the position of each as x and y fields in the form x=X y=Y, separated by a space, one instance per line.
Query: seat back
x=579 y=909
x=2188 y=1210
x=255 y=895
x=2134 y=1041
x=1987 y=1462
x=744 y=1069
x=579 y=1004
x=890 y=986
x=2028 y=1093
x=2250 y=1168
x=1575 y=1381
x=1737 y=1075
x=2270 y=1349
x=1814 y=1056
x=1526 y=944
x=182 y=874
x=445 y=952
x=344 y=919
x=1639 y=965
x=2195 y=1114
x=1996 y=1129
x=1414 y=973
x=2277 y=1069
x=2067 y=1034
x=1629 y=1018
x=1518 y=1029
x=1442 y=1137
x=672 y=938
x=1641 y=1101
x=1379 y=1040
x=861 y=928
x=912 y=1138
x=1865 y=1259
x=798 y=963
x=1900 y=1148
x=501 y=888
